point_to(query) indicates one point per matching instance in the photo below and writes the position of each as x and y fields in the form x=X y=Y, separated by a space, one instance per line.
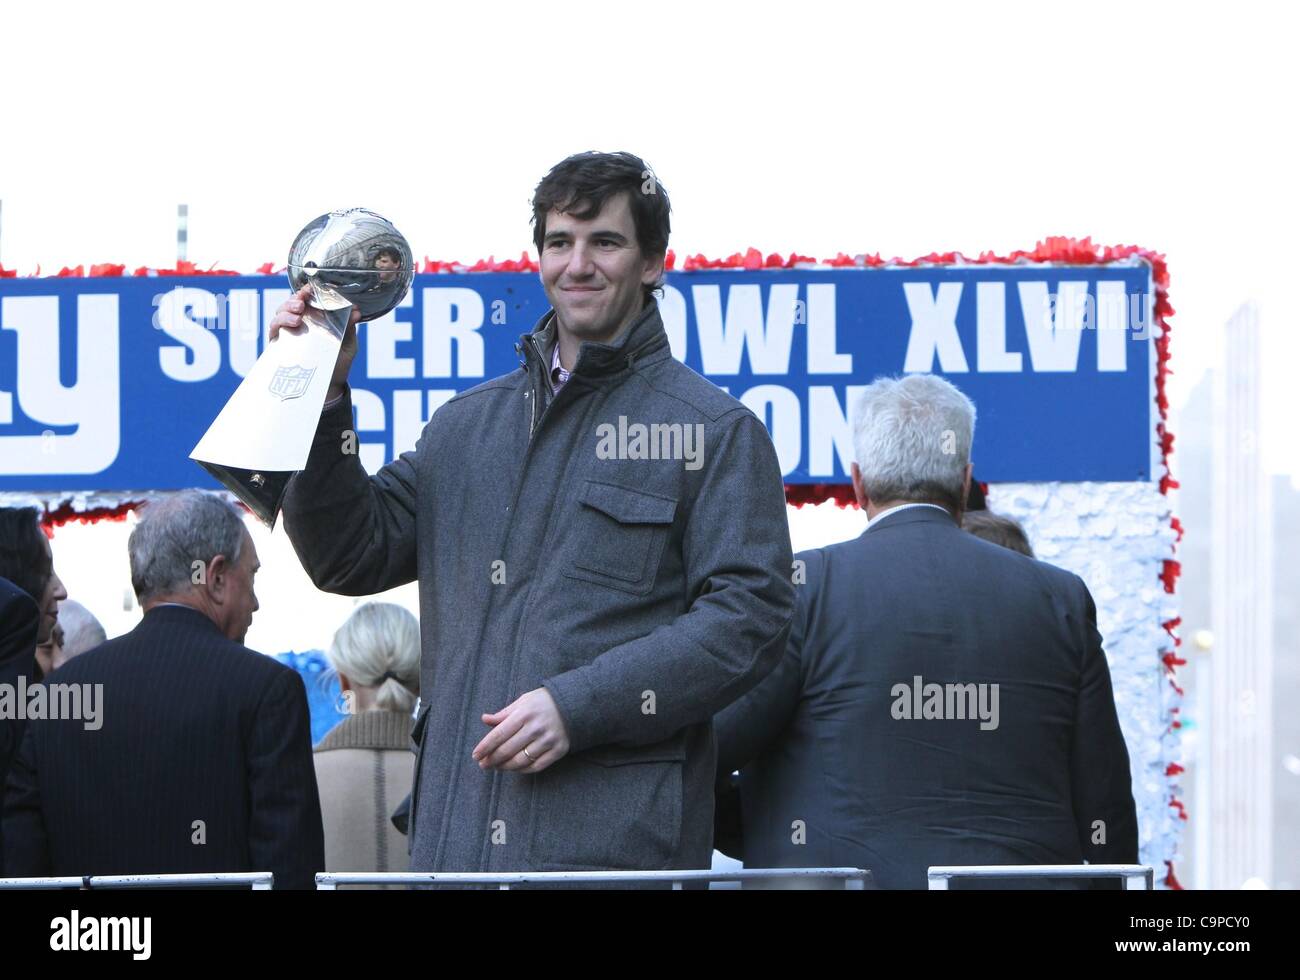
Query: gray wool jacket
x=646 y=594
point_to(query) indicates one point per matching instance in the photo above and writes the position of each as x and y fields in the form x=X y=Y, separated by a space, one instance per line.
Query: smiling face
x=594 y=273
x=49 y=601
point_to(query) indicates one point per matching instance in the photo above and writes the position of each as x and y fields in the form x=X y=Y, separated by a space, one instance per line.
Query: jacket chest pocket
x=619 y=537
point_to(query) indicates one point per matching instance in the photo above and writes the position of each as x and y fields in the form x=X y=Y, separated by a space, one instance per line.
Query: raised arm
x=354 y=534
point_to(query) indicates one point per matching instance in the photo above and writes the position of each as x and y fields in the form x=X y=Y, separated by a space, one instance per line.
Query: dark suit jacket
x=19 y=621
x=194 y=728
x=818 y=740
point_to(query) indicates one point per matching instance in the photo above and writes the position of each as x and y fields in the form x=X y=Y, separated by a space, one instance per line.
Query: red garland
x=799 y=494
x=490 y=264
x=1170 y=880
x=1169 y=627
x=64 y=514
x=1169 y=575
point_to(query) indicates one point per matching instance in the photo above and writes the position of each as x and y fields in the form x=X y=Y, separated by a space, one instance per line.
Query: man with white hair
x=942 y=700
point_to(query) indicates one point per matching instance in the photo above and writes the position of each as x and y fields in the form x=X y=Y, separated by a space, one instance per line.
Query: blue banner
x=107 y=384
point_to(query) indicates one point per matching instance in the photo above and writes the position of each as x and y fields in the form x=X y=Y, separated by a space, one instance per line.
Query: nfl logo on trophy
x=290 y=381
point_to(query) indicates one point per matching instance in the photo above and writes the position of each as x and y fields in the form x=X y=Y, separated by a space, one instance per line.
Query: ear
x=859 y=488
x=654 y=270
x=965 y=491
x=218 y=580
x=345 y=682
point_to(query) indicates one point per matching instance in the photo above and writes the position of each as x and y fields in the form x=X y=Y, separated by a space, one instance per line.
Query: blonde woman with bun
x=365 y=764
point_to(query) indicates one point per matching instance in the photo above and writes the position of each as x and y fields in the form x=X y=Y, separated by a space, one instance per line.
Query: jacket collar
x=176 y=612
x=369 y=730
x=913 y=515
x=645 y=339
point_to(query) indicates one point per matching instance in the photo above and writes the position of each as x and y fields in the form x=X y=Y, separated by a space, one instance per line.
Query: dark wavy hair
x=580 y=185
x=23 y=559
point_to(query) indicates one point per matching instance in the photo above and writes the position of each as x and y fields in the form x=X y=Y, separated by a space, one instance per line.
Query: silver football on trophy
x=352 y=258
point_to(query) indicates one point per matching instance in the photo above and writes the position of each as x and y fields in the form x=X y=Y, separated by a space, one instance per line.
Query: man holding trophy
x=584 y=612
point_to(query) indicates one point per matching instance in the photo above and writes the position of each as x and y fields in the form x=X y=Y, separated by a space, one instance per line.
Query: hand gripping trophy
x=264 y=433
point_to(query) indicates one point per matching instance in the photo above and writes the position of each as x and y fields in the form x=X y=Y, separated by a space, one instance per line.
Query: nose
x=60 y=593
x=580 y=264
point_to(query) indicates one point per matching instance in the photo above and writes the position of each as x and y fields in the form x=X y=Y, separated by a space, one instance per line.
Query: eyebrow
x=616 y=235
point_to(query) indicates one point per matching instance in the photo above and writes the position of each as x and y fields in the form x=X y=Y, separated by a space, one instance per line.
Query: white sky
x=898 y=128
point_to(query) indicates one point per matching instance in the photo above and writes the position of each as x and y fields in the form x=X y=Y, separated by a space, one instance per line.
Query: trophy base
x=261 y=490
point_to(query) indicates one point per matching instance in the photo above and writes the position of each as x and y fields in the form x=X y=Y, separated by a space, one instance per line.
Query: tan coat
x=364 y=767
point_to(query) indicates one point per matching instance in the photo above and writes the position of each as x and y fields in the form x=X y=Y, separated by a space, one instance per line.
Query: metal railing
x=257 y=880
x=853 y=878
x=1136 y=877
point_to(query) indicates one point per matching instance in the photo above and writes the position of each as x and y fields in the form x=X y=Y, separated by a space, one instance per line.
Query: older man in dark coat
x=943 y=700
x=197 y=757
x=603 y=555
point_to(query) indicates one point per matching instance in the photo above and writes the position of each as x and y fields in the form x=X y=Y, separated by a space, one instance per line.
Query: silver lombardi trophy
x=264 y=433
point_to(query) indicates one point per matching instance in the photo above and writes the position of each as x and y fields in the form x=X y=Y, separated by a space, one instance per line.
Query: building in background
x=1286 y=680
x=1192 y=466
x=1241 y=629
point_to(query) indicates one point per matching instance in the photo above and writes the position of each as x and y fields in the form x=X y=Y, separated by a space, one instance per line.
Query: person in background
x=27 y=561
x=33 y=587
x=198 y=758
x=365 y=764
x=1000 y=530
x=19 y=620
x=50 y=653
x=81 y=631
x=1016 y=755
